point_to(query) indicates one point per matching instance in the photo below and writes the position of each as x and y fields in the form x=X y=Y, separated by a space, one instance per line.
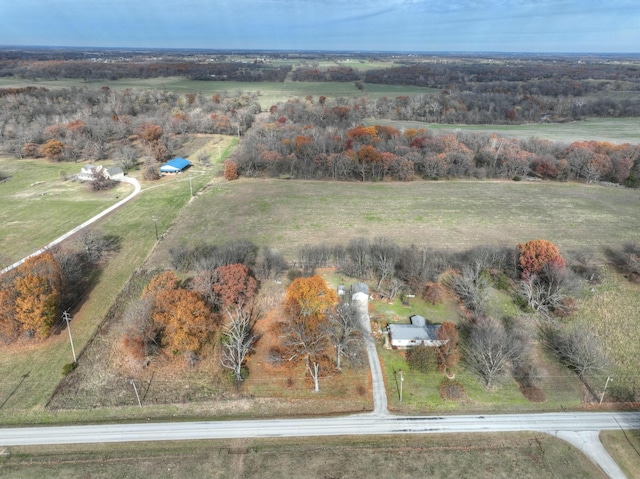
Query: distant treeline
x=94 y=70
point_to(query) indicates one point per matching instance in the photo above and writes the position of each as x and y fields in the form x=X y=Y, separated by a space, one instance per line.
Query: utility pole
x=609 y=378
x=401 y=381
x=155 y=223
x=136 y=391
x=190 y=186
x=67 y=317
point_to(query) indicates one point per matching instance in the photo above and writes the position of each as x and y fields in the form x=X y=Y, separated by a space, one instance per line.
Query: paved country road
x=576 y=427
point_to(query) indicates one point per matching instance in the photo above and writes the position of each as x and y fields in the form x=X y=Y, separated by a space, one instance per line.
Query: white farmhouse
x=406 y=336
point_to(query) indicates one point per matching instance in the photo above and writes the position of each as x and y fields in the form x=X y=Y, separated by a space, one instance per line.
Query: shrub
x=422 y=358
x=230 y=170
x=68 y=368
x=533 y=393
x=452 y=390
x=434 y=293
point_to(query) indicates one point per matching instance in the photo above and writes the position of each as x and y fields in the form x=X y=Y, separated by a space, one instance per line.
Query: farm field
x=451 y=215
x=269 y=93
x=477 y=456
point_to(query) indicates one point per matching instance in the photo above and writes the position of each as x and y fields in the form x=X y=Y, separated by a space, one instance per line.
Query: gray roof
x=359 y=288
x=407 y=332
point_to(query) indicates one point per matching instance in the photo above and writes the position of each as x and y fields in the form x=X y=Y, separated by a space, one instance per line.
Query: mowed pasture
x=450 y=215
x=39 y=204
x=473 y=456
x=31 y=370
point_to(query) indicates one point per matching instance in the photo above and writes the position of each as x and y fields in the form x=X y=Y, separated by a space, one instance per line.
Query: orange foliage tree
x=52 y=149
x=536 y=255
x=230 y=170
x=183 y=317
x=37 y=288
x=9 y=326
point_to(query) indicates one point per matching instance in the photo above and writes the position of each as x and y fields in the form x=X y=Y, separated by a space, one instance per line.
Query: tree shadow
x=24 y=376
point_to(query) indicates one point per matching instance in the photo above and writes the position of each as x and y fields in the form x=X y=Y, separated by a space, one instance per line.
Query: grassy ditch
x=477 y=456
x=624 y=448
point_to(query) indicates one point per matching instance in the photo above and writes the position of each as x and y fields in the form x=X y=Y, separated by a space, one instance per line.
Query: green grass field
x=451 y=215
x=473 y=456
x=38 y=205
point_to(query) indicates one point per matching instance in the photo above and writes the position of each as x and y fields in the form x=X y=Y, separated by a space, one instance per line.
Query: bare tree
x=272 y=265
x=303 y=341
x=359 y=259
x=346 y=333
x=472 y=288
x=490 y=349
x=383 y=256
x=578 y=347
x=238 y=340
x=549 y=291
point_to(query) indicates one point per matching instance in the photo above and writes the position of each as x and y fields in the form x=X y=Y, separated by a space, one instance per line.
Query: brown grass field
x=473 y=456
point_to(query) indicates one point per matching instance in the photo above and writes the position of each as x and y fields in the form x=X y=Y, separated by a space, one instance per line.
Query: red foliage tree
x=234 y=286
x=230 y=170
x=448 y=355
x=536 y=255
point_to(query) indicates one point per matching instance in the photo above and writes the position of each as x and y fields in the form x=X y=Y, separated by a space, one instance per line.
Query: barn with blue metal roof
x=177 y=165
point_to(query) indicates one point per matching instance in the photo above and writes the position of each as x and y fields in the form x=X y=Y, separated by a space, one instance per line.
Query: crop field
x=473 y=456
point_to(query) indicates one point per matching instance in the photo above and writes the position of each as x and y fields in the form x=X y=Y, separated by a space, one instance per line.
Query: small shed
x=177 y=165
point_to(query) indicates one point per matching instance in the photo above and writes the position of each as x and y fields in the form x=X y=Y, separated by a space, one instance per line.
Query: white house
x=406 y=336
x=89 y=172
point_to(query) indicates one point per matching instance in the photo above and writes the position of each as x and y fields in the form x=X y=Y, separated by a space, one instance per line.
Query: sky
x=563 y=26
